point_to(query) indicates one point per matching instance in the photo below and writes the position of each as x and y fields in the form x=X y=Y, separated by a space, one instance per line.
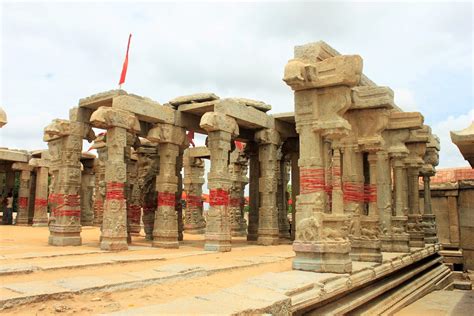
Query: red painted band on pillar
x=193 y=201
x=115 y=191
x=218 y=197
x=57 y=213
x=370 y=193
x=41 y=203
x=166 y=199
x=312 y=180
x=353 y=192
x=22 y=202
x=134 y=211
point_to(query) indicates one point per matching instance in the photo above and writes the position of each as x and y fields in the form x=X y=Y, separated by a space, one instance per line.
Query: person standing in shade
x=9 y=210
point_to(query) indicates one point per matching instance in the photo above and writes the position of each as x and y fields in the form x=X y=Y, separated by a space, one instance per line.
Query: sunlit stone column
x=221 y=129
x=169 y=138
x=23 y=192
x=194 y=222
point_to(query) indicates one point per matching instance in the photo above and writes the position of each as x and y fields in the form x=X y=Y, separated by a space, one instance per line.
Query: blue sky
x=54 y=53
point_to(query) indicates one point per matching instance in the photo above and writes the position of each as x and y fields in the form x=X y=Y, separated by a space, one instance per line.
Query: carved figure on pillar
x=194 y=222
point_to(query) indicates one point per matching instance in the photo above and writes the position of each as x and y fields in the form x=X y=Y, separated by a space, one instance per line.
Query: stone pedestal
x=221 y=129
x=268 y=232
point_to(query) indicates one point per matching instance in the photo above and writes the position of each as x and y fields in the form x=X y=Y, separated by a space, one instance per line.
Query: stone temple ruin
x=353 y=157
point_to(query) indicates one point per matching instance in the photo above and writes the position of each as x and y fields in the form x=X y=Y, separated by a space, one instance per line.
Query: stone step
x=12 y=294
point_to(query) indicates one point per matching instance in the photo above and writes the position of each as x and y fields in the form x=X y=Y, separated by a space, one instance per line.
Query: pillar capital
x=267 y=136
x=167 y=133
x=22 y=166
x=301 y=74
x=60 y=128
x=214 y=121
x=107 y=117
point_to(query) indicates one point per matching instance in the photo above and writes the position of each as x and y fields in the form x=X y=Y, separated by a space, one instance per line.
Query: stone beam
x=199 y=152
x=370 y=97
x=245 y=116
x=13 y=155
x=402 y=120
x=144 y=109
x=197 y=108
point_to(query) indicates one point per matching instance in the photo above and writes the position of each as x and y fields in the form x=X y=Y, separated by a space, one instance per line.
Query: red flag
x=190 y=136
x=125 y=63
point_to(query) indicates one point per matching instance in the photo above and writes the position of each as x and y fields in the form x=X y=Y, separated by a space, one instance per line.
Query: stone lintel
x=420 y=135
x=193 y=98
x=198 y=108
x=370 y=97
x=245 y=116
x=199 y=152
x=100 y=99
x=145 y=109
x=189 y=121
x=13 y=155
x=39 y=163
x=267 y=136
x=286 y=129
x=402 y=120
x=343 y=70
x=106 y=117
x=23 y=166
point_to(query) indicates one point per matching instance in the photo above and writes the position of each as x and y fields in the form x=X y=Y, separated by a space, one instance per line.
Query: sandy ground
x=31 y=242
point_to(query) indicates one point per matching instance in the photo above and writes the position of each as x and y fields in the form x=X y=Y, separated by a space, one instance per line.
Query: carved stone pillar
x=99 y=186
x=221 y=129
x=148 y=166
x=41 y=197
x=134 y=207
x=367 y=246
x=322 y=95
x=295 y=190
x=400 y=237
x=194 y=222
x=269 y=141
x=254 y=204
x=118 y=123
x=23 y=192
x=414 y=226
x=431 y=160
x=282 y=198
x=179 y=193
x=384 y=199
x=169 y=138
x=65 y=145
x=87 y=190
x=238 y=174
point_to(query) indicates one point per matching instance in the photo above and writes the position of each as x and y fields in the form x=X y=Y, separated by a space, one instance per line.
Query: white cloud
x=405 y=99
x=449 y=154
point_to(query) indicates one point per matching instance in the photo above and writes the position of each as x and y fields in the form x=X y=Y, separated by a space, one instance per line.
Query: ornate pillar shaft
x=170 y=139
x=238 y=173
x=282 y=195
x=87 y=187
x=114 y=224
x=221 y=129
x=384 y=199
x=65 y=145
x=148 y=166
x=268 y=232
x=134 y=207
x=179 y=193
x=429 y=219
x=23 y=194
x=194 y=222
x=254 y=175
x=41 y=197
x=337 y=194
x=295 y=190
x=99 y=187
x=414 y=225
x=165 y=231
x=399 y=235
x=366 y=246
